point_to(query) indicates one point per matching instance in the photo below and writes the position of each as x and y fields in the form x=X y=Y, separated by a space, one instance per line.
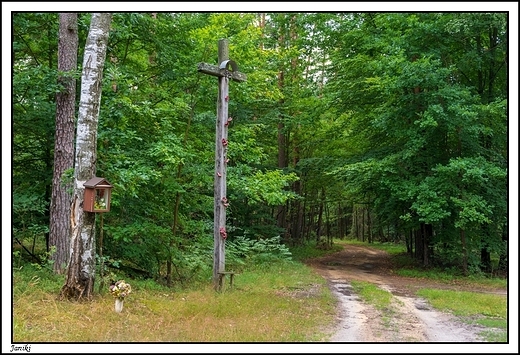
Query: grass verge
x=283 y=303
x=488 y=310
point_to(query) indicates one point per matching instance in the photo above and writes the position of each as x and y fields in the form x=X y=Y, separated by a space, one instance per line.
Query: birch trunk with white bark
x=81 y=268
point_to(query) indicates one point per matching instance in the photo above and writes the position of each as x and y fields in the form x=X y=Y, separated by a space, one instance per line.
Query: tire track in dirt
x=408 y=319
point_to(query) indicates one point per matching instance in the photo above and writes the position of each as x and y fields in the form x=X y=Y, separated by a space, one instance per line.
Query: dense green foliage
x=387 y=127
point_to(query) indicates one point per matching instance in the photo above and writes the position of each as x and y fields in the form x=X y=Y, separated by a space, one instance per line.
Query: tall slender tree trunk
x=59 y=228
x=363 y=224
x=369 y=223
x=426 y=232
x=464 y=252
x=81 y=268
x=485 y=254
x=327 y=225
x=282 y=159
x=261 y=24
x=356 y=223
x=282 y=155
x=503 y=261
x=319 y=228
x=296 y=215
x=418 y=244
x=409 y=242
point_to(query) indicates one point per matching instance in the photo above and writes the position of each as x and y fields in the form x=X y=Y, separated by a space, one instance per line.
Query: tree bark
x=503 y=262
x=464 y=252
x=427 y=232
x=281 y=216
x=363 y=224
x=282 y=164
x=81 y=268
x=59 y=228
x=369 y=223
x=320 y=219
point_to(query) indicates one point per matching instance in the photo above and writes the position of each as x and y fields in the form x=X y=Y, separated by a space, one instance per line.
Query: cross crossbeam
x=215 y=70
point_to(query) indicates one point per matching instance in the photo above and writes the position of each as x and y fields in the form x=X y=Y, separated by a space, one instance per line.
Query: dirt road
x=411 y=319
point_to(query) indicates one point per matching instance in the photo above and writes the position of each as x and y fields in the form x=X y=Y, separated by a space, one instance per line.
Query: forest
x=380 y=127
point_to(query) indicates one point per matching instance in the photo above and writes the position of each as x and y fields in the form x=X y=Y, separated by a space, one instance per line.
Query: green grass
x=372 y=294
x=489 y=310
x=277 y=302
x=493 y=336
x=493 y=323
x=466 y=303
x=309 y=251
x=451 y=277
x=285 y=303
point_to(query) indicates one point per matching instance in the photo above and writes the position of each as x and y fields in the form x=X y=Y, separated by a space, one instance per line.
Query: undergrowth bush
x=241 y=252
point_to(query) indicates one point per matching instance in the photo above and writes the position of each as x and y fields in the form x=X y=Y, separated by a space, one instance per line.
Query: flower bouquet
x=120 y=290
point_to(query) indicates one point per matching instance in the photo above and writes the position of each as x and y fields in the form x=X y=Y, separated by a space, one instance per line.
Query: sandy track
x=409 y=319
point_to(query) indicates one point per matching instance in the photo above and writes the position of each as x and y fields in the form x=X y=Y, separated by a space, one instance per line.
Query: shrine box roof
x=97 y=182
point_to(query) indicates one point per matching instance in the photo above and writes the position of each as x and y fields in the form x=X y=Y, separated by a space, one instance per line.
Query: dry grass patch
x=258 y=309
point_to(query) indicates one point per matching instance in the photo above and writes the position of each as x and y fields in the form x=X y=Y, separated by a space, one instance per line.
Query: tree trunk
x=369 y=223
x=59 y=228
x=464 y=252
x=81 y=268
x=282 y=164
x=341 y=222
x=409 y=242
x=503 y=262
x=281 y=216
x=485 y=260
x=363 y=225
x=485 y=254
x=418 y=244
x=327 y=225
x=320 y=216
x=261 y=25
x=356 y=223
x=427 y=232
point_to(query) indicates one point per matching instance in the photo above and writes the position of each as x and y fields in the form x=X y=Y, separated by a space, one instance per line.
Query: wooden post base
x=222 y=276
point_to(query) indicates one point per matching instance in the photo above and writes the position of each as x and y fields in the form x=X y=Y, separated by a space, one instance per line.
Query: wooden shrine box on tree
x=97 y=195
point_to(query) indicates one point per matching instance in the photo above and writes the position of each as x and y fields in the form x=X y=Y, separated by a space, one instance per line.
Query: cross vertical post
x=220 y=187
x=226 y=70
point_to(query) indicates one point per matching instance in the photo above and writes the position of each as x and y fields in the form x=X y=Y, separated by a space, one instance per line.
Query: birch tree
x=81 y=268
x=59 y=228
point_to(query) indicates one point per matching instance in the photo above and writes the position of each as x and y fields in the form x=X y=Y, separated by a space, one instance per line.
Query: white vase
x=119 y=305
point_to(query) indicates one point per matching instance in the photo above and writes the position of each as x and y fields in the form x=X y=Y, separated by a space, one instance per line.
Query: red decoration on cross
x=225 y=201
x=223 y=232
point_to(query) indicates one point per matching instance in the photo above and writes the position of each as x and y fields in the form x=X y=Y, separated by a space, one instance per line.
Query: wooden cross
x=227 y=69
